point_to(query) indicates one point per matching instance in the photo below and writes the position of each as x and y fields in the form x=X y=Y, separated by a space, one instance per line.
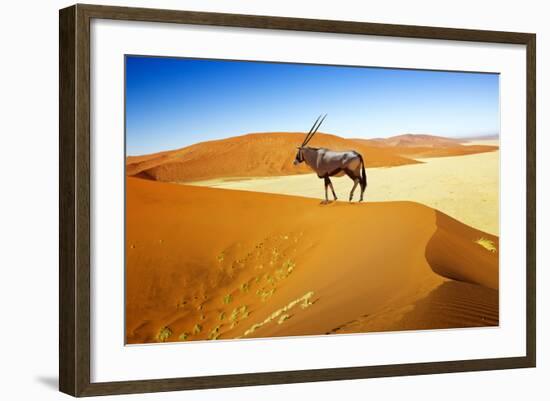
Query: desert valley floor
x=224 y=256
x=465 y=187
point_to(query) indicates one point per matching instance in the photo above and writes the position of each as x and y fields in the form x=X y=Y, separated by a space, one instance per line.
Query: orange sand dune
x=272 y=154
x=251 y=155
x=206 y=263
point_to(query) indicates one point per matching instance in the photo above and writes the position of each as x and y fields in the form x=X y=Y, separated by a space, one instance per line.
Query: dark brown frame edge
x=74 y=199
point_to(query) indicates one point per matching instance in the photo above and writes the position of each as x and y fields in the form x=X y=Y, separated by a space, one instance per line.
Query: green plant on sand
x=164 y=334
x=487 y=244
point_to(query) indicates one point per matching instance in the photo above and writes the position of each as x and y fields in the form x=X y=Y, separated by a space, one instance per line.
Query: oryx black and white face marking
x=299 y=156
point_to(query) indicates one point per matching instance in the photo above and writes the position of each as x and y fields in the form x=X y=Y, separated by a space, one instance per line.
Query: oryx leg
x=327 y=180
x=355 y=183
x=355 y=179
x=332 y=188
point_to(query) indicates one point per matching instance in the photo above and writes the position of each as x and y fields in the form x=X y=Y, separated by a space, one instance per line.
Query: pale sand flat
x=482 y=142
x=464 y=187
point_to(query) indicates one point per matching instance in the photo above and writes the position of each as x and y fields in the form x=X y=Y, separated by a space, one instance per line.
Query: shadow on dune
x=470 y=298
x=453 y=304
x=453 y=252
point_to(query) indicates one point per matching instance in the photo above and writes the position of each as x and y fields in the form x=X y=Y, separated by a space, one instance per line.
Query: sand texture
x=209 y=263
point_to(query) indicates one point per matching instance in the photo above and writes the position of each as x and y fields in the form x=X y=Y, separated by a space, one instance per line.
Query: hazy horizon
x=175 y=102
x=474 y=137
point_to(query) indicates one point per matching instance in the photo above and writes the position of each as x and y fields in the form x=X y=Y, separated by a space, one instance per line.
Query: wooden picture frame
x=74 y=199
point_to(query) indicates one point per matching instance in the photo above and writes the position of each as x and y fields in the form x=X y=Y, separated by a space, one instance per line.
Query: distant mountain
x=418 y=146
x=415 y=141
x=489 y=137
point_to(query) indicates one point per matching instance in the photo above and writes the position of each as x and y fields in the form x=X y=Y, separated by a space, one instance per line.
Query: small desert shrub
x=215 y=333
x=164 y=334
x=197 y=329
x=234 y=315
x=222 y=315
x=183 y=336
x=253 y=328
x=271 y=280
x=264 y=295
x=289 y=265
x=280 y=273
x=227 y=299
x=243 y=311
x=487 y=244
x=306 y=303
x=283 y=318
x=274 y=256
x=244 y=287
x=281 y=314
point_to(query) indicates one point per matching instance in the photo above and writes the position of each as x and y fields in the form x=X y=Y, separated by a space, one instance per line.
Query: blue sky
x=175 y=102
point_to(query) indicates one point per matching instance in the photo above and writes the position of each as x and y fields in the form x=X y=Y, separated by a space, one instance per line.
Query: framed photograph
x=250 y=200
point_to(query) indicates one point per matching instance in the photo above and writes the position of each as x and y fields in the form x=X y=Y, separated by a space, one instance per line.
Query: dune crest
x=196 y=272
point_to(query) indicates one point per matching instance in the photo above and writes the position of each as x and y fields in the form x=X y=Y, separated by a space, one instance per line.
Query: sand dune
x=196 y=272
x=247 y=155
x=464 y=187
x=272 y=154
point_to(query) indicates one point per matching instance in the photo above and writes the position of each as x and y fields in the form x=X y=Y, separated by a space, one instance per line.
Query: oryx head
x=300 y=154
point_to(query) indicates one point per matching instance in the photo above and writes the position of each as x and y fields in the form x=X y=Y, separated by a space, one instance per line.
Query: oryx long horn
x=311 y=130
x=314 y=131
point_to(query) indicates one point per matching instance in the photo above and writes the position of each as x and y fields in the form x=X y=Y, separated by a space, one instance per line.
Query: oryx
x=328 y=163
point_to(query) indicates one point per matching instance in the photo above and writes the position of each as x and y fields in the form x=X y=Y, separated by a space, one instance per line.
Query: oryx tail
x=363 y=181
